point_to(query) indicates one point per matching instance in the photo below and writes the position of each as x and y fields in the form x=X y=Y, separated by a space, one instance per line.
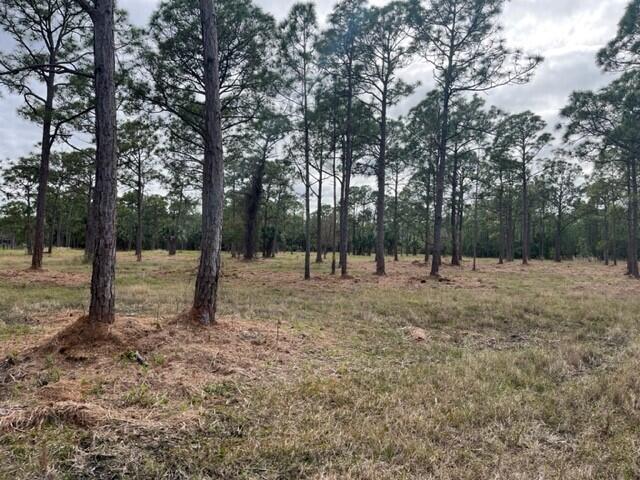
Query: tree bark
x=558 y=241
x=475 y=222
x=346 y=177
x=607 y=240
x=334 y=228
x=307 y=181
x=319 y=215
x=633 y=230
x=102 y=306
x=454 y=210
x=503 y=236
x=439 y=199
x=510 y=229
x=43 y=174
x=381 y=171
x=139 y=202
x=395 y=217
x=253 y=206
x=460 y=219
x=525 y=214
x=173 y=238
x=28 y=226
x=206 y=289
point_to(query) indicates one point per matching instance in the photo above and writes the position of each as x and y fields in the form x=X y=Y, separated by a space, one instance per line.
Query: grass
x=524 y=373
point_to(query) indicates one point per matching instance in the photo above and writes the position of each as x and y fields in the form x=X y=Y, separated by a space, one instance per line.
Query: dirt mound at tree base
x=82 y=334
x=141 y=369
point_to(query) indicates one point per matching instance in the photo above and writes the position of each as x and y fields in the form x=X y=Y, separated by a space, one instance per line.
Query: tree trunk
x=614 y=243
x=102 y=307
x=319 y=215
x=460 y=220
x=510 y=229
x=440 y=173
x=542 y=233
x=607 y=239
x=558 y=240
x=475 y=223
x=50 y=242
x=633 y=231
x=139 y=201
x=55 y=221
x=395 y=218
x=173 y=238
x=253 y=206
x=206 y=289
x=43 y=174
x=28 y=228
x=426 y=239
x=346 y=177
x=503 y=236
x=334 y=213
x=307 y=188
x=525 y=215
x=454 y=210
x=381 y=168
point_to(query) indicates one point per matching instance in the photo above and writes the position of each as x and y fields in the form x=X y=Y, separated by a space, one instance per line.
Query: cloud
x=567 y=32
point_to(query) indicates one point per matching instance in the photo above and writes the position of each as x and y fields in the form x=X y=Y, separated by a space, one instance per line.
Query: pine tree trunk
x=475 y=222
x=253 y=206
x=510 y=229
x=525 y=215
x=381 y=167
x=607 y=239
x=454 y=210
x=558 y=240
x=502 y=247
x=28 y=227
x=614 y=243
x=542 y=233
x=460 y=221
x=439 y=199
x=173 y=238
x=307 y=182
x=206 y=289
x=395 y=218
x=334 y=222
x=139 y=201
x=633 y=231
x=346 y=178
x=319 y=216
x=43 y=173
x=102 y=306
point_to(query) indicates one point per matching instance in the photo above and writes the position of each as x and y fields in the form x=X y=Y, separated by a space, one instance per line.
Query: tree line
x=135 y=121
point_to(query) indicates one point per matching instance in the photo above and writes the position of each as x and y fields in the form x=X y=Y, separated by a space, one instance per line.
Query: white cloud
x=567 y=32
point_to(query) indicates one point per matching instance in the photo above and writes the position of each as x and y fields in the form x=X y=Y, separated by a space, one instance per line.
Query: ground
x=509 y=372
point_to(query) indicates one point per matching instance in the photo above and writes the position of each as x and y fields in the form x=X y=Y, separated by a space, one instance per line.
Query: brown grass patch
x=22 y=418
x=178 y=361
x=45 y=277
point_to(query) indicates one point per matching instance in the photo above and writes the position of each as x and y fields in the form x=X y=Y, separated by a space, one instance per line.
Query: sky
x=568 y=33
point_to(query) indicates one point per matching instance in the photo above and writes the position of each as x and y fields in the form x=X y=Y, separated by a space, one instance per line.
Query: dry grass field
x=509 y=372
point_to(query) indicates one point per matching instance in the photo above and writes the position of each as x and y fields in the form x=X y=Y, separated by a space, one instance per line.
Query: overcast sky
x=568 y=33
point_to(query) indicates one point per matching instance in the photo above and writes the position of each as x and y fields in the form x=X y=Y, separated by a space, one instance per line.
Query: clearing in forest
x=507 y=372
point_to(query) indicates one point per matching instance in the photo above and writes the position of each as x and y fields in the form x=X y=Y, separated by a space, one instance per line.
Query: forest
x=258 y=245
